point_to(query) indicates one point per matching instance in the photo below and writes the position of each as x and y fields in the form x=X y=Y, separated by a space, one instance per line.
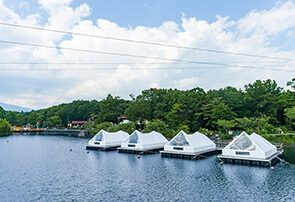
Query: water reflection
x=42 y=168
x=289 y=154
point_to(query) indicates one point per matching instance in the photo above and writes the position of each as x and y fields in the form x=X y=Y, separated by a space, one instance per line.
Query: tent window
x=243 y=153
x=99 y=137
x=131 y=145
x=179 y=140
x=177 y=148
x=243 y=143
x=133 y=138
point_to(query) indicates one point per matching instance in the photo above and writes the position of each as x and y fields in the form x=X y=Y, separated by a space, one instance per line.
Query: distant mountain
x=8 y=107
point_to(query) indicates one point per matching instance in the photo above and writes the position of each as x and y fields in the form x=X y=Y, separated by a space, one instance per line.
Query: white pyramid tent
x=189 y=143
x=253 y=146
x=144 y=141
x=108 y=139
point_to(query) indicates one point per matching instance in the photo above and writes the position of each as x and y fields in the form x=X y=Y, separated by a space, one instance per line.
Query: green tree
x=184 y=128
x=140 y=110
x=32 y=118
x=54 y=121
x=290 y=114
x=260 y=123
x=177 y=116
x=215 y=110
x=231 y=97
x=5 y=127
x=111 y=108
x=127 y=127
x=41 y=117
x=159 y=126
x=226 y=124
x=21 y=118
x=11 y=117
x=253 y=124
x=285 y=100
x=244 y=123
x=2 y=113
x=291 y=83
x=103 y=126
x=262 y=98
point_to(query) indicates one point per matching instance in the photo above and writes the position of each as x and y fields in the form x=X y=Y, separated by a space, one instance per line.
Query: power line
x=130 y=63
x=132 y=55
x=110 y=53
x=146 y=68
x=131 y=69
x=88 y=63
x=121 y=63
x=148 y=43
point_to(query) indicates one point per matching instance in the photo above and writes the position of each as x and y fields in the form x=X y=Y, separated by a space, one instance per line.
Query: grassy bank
x=286 y=139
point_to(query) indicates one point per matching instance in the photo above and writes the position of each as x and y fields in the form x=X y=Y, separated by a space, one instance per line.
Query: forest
x=263 y=107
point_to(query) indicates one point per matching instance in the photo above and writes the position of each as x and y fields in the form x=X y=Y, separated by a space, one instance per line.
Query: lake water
x=42 y=168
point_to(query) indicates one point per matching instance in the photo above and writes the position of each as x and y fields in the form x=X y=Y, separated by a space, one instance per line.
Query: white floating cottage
x=251 y=150
x=189 y=146
x=104 y=140
x=139 y=142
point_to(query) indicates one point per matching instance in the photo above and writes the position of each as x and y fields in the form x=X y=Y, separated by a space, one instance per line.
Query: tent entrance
x=133 y=139
x=243 y=142
x=99 y=137
x=179 y=140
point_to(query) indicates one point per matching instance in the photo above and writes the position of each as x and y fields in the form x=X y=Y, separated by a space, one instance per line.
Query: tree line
x=262 y=106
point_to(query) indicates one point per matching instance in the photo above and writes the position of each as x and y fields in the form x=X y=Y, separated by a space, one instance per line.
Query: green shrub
x=5 y=127
x=159 y=126
x=226 y=136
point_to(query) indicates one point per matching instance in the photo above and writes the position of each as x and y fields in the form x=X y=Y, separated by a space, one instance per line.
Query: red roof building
x=75 y=124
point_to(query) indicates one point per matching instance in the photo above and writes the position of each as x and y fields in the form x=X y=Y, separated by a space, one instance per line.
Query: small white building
x=104 y=139
x=250 y=146
x=138 y=141
x=190 y=143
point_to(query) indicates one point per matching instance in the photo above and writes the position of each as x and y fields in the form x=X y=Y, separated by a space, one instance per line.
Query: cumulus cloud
x=270 y=22
x=187 y=83
x=37 y=89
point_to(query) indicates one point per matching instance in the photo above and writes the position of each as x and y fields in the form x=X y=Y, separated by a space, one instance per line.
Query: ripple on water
x=42 y=168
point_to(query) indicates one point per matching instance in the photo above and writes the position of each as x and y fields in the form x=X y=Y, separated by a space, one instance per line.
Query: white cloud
x=35 y=89
x=270 y=22
x=187 y=83
x=52 y=5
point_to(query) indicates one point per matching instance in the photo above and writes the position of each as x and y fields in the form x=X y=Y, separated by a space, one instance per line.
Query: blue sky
x=153 y=13
x=259 y=27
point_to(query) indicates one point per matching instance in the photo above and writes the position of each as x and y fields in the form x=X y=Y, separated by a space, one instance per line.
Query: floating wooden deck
x=189 y=155
x=139 y=151
x=271 y=161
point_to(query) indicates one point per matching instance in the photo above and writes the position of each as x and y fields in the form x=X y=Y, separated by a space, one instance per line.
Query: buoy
x=272 y=168
x=70 y=149
x=138 y=156
x=221 y=163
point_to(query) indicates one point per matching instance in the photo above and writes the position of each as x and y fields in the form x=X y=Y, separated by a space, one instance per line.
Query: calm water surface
x=42 y=168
